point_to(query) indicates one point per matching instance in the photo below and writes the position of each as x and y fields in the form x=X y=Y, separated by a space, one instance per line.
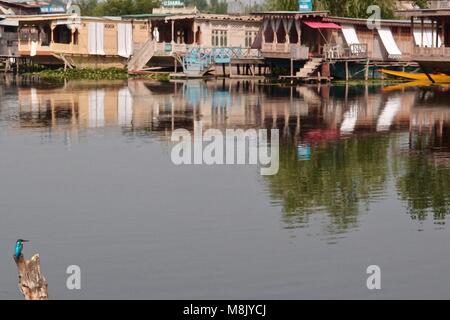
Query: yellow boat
x=405 y=85
x=437 y=77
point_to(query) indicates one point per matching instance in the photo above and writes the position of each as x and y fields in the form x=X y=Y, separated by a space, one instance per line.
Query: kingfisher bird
x=19 y=247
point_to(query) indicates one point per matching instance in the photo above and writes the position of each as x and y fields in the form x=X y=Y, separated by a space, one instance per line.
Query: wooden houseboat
x=74 y=41
x=180 y=32
x=314 y=43
x=434 y=52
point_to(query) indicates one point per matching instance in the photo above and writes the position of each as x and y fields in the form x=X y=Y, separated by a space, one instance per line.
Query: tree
x=115 y=8
x=421 y=3
x=145 y=6
x=218 y=6
x=87 y=7
x=282 y=5
x=341 y=8
x=201 y=5
x=355 y=8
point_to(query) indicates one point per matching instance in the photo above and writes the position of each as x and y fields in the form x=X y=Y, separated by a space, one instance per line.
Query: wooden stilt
x=292 y=67
x=366 y=75
x=346 y=71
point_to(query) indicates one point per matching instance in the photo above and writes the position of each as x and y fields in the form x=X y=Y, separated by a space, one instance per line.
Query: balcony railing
x=432 y=52
x=167 y=48
x=353 y=51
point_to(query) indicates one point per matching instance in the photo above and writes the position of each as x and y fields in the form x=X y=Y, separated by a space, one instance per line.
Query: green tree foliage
x=355 y=8
x=201 y=5
x=87 y=7
x=421 y=3
x=282 y=5
x=342 y=8
x=116 y=7
x=217 y=6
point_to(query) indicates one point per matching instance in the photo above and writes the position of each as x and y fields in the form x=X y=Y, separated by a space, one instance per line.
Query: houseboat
x=182 y=35
x=434 y=52
x=76 y=41
x=315 y=43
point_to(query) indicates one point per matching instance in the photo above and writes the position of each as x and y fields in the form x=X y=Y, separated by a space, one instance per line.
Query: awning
x=321 y=25
x=389 y=43
x=350 y=35
x=9 y=23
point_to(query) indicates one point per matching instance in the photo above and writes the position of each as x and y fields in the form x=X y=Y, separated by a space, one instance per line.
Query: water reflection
x=341 y=145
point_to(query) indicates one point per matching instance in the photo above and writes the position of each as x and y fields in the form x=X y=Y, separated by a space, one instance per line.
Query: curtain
x=124 y=40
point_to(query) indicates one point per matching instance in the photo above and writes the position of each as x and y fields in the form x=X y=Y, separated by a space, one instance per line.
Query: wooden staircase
x=141 y=56
x=309 y=68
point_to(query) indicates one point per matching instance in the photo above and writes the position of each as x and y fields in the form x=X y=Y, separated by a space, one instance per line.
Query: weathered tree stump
x=32 y=283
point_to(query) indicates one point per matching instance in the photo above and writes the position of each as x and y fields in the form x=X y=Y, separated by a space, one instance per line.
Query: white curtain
x=96 y=38
x=156 y=34
x=33 y=48
x=275 y=24
x=92 y=35
x=429 y=39
x=96 y=116
x=124 y=40
x=100 y=28
x=125 y=107
x=287 y=25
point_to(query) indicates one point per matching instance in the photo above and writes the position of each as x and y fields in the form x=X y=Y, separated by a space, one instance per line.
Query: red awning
x=322 y=25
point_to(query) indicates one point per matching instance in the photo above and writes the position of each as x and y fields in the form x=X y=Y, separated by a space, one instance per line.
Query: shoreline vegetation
x=94 y=74
x=122 y=74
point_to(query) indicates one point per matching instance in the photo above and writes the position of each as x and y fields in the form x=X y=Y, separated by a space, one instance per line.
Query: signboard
x=173 y=3
x=53 y=9
x=305 y=5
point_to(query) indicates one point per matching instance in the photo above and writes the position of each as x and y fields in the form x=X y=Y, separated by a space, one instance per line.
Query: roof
x=360 y=21
x=291 y=13
x=232 y=17
x=146 y=15
x=199 y=16
x=442 y=12
x=51 y=17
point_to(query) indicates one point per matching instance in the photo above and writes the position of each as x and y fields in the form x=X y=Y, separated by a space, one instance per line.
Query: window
x=250 y=37
x=219 y=38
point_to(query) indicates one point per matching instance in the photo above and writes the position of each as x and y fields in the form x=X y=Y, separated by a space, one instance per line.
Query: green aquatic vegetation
x=95 y=74
x=82 y=74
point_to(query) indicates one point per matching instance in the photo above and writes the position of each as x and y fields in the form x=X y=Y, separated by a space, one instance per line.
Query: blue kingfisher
x=19 y=247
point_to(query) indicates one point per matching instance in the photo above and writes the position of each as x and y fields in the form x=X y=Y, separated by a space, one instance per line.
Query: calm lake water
x=364 y=179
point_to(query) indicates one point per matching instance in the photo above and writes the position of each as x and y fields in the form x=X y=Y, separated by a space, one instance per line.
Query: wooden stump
x=32 y=283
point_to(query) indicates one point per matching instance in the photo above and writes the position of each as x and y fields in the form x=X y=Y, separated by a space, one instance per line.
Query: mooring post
x=346 y=71
x=32 y=283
